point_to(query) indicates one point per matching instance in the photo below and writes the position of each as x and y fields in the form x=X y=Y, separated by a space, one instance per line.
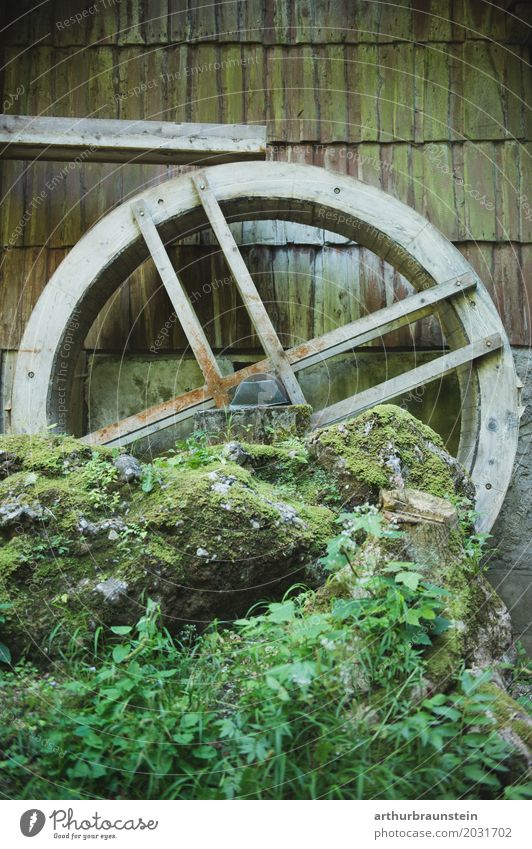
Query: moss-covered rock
x=386 y=447
x=82 y=547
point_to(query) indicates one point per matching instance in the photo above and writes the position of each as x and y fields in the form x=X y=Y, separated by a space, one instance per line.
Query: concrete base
x=254 y=424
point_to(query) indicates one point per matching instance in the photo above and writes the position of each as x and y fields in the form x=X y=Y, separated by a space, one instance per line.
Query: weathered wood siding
x=432 y=104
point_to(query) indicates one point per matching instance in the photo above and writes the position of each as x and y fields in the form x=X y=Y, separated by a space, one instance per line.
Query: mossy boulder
x=387 y=447
x=83 y=545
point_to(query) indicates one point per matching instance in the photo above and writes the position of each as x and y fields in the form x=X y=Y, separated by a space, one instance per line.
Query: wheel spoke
x=248 y=291
x=369 y=327
x=181 y=304
x=152 y=420
x=301 y=356
x=406 y=382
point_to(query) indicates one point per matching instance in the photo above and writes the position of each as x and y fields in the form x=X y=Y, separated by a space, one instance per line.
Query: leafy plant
x=356 y=526
x=194 y=452
x=5 y=654
x=291 y=703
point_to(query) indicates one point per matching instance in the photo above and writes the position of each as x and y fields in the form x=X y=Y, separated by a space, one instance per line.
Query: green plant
x=99 y=476
x=194 y=452
x=5 y=654
x=44 y=547
x=356 y=526
x=131 y=534
x=291 y=703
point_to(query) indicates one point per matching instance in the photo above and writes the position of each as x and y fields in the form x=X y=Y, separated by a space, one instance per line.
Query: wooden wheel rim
x=114 y=247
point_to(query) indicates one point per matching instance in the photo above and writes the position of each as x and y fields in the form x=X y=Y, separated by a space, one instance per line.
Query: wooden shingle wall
x=430 y=100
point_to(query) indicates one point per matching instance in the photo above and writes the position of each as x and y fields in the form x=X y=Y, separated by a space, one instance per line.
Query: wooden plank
x=248 y=290
x=367 y=328
x=181 y=304
x=389 y=389
x=139 y=426
x=110 y=140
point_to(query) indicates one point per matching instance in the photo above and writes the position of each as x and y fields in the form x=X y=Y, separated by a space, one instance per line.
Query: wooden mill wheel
x=447 y=285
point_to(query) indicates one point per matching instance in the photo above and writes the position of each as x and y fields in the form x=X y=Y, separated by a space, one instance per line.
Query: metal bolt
x=141 y=213
x=488 y=486
x=31 y=374
x=202 y=185
x=337 y=191
x=488 y=344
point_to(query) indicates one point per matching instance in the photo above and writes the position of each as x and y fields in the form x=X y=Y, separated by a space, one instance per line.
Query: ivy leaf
x=281 y=612
x=398 y=566
x=189 y=720
x=409 y=579
x=205 y=752
x=5 y=654
x=183 y=738
x=343 y=609
x=120 y=652
x=412 y=616
x=420 y=637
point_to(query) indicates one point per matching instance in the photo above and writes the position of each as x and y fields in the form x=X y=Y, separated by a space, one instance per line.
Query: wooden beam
x=369 y=327
x=419 y=376
x=135 y=427
x=110 y=140
x=248 y=291
x=181 y=304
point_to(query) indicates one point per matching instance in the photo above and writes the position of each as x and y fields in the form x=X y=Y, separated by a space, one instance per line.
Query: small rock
x=129 y=468
x=234 y=452
x=113 y=590
x=9 y=464
x=201 y=552
x=223 y=485
x=12 y=514
x=106 y=527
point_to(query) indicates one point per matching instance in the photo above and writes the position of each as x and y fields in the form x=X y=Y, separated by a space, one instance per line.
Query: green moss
x=47 y=454
x=231 y=502
x=364 y=452
x=217 y=535
x=509 y=713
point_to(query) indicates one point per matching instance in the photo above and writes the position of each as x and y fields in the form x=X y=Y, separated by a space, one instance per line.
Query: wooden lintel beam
x=111 y=140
